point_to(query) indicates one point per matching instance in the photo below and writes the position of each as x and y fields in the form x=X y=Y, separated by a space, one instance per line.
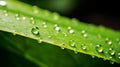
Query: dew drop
x=117 y=39
x=83 y=46
x=23 y=18
x=71 y=31
x=93 y=56
x=99 y=48
x=83 y=31
x=65 y=34
x=3 y=3
x=40 y=41
x=111 y=51
x=57 y=28
x=17 y=18
x=109 y=42
x=75 y=52
x=5 y=12
x=35 y=31
x=44 y=24
x=112 y=62
x=56 y=17
x=35 y=10
x=85 y=35
x=49 y=37
x=72 y=43
x=62 y=48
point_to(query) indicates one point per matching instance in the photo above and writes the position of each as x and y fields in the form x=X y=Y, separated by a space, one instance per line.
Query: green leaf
x=51 y=28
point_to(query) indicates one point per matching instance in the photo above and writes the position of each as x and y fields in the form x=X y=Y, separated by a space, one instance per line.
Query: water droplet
x=55 y=16
x=71 y=31
x=65 y=34
x=111 y=51
x=40 y=41
x=112 y=62
x=83 y=31
x=85 y=35
x=23 y=18
x=93 y=56
x=35 y=10
x=72 y=43
x=35 y=31
x=57 y=28
x=99 y=48
x=109 y=42
x=3 y=3
x=107 y=39
x=69 y=28
x=62 y=48
x=83 y=46
x=44 y=24
x=17 y=16
x=49 y=37
x=5 y=12
x=75 y=52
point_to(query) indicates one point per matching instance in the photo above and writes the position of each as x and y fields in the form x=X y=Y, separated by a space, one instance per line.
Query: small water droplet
x=83 y=46
x=17 y=18
x=44 y=24
x=35 y=10
x=3 y=3
x=99 y=48
x=65 y=34
x=23 y=18
x=93 y=56
x=107 y=39
x=111 y=51
x=72 y=43
x=71 y=31
x=62 y=48
x=83 y=31
x=57 y=28
x=109 y=42
x=85 y=35
x=112 y=62
x=69 y=28
x=40 y=41
x=49 y=37
x=56 y=17
x=35 y=31
x=5 y=12
x=75 y=52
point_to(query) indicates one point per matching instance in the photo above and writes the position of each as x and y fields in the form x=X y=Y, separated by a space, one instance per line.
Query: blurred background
x=99 y=12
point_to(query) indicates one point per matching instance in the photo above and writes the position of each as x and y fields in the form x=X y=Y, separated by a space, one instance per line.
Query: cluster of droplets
x=84 y=34
x=35 y=31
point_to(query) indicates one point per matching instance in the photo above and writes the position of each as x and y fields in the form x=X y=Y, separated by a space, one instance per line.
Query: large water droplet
x=111 y=51
x=3 y=3
x=85 y=35
x=35 y=31
x=83 y=46
x=99 y=48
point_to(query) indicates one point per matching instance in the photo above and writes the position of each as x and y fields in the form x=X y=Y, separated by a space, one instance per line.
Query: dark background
x=99 y=12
